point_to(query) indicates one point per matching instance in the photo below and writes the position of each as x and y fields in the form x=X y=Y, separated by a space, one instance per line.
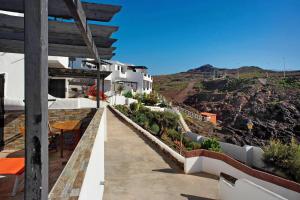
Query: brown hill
x=270 y=101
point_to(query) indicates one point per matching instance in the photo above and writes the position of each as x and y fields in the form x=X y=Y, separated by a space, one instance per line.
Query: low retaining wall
x=250 y=155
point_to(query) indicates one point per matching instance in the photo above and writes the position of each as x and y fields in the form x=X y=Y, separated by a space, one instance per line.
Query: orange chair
x=12 y=167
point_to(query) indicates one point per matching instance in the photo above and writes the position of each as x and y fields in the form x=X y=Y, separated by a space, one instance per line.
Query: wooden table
x=67 y=126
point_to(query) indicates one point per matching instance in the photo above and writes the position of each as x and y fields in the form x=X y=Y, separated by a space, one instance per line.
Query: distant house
x=133 y=78
x=210 y=117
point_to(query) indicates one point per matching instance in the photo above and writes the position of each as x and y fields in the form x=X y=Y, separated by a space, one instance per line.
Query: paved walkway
x=133 y=170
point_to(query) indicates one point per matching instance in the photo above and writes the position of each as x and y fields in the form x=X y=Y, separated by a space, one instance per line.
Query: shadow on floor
x=192 y=197
x=206 y=175
x=175 y=171
x=167 y=170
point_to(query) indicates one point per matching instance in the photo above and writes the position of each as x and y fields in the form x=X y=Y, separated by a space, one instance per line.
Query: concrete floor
x=134 y=170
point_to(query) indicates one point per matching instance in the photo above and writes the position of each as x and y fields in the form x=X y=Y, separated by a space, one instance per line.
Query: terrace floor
x=56 y=165
x=134 y=170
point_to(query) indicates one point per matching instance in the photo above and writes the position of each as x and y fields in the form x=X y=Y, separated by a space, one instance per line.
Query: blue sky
x=172 y=36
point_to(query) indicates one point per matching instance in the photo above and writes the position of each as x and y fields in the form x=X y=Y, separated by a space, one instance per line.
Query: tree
x=120 y=89
x=165 y=121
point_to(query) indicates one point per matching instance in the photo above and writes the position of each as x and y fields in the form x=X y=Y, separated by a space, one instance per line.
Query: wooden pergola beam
x=76 y=10
x=36 y=99
x=59 y=38
x=57 y=8
x=15 y=46
x=16 y=24
x=12 y=27
x=76 y=73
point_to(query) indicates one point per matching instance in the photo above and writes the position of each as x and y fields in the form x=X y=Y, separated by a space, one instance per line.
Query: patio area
x=15 y=145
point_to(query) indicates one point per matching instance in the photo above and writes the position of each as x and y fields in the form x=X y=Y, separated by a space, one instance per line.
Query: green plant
x=196 y=145
x=289 y=82
x=211 y=144
x=174 y=135
x=150 y=99
x=154 y=128
x=138 y=97
x=284 y=156
x=134 y=107
x=278 y=154
x=128 y=94
x=190 y=145
x=166 y=120
x=123 y=109
x=120 y=89
x=141 y=119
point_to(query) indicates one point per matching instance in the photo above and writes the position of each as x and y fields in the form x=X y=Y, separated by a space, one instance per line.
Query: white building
x=134 y=78
x=12 y=66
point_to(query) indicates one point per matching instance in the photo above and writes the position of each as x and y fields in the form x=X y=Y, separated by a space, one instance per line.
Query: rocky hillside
x=239 y=96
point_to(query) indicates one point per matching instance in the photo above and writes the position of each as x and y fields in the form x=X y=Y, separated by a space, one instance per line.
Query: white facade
x=133 y=78
x=12 y=65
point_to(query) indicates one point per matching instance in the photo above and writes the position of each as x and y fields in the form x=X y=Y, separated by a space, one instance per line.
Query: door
x=57 y=87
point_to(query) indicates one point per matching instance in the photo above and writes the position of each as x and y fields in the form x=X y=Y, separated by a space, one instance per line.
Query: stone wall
x=15 y=119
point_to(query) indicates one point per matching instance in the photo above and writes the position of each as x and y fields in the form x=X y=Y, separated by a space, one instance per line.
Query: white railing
x=189 y=113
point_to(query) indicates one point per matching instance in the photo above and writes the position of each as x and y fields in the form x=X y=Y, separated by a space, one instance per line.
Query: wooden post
x=2 y=111
x=98 y=85
x=102 y=78
x=102 y=85
x=36 y=99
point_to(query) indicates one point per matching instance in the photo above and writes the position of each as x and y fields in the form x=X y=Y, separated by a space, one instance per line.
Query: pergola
x=37 y=35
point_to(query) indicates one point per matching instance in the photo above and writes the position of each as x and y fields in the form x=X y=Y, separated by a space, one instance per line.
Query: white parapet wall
x=250 y=155
x=216 y=167
x=93 y=183
x=246 y=190
x=121 y=100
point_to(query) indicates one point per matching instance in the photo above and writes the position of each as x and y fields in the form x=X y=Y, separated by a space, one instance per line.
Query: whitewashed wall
x=12 y=64
x=214 y=166
x=156 y=108
x=250 y=155
x=93 y=183
x=246 y=190
x=121 y=100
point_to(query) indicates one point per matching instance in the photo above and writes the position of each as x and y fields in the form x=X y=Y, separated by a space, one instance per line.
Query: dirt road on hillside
x=183 y=94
